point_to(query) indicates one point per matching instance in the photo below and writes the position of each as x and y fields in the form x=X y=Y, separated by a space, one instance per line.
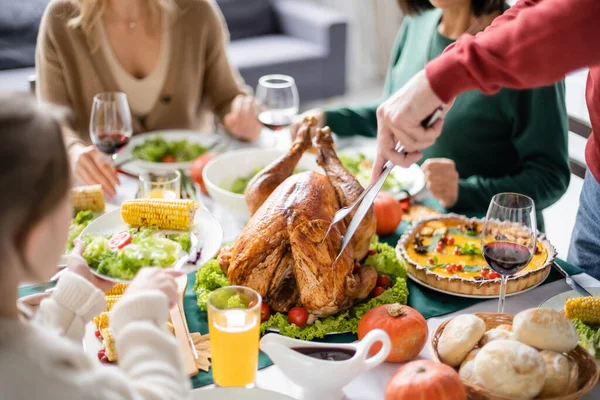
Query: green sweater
x=514 y=141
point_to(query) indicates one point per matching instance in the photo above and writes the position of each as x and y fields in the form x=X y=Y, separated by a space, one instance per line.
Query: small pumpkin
x=425 y=379
x=388 y=213
x=197 y=168
x=405 y=326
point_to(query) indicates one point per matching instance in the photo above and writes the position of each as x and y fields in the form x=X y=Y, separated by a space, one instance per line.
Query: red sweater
x=535 y=43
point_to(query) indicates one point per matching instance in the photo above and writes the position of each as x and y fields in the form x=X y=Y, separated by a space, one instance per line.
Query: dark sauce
x=327 y=354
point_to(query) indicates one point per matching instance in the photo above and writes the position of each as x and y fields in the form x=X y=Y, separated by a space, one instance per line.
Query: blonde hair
x=91 y=12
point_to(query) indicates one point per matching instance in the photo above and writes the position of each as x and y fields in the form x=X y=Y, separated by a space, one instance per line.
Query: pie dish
x=436 y=266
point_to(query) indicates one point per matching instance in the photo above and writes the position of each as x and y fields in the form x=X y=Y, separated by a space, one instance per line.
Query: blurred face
x=46 y=242
x=450 y=3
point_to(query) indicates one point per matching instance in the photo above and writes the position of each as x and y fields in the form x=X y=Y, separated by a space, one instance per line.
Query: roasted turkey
x=280 y=253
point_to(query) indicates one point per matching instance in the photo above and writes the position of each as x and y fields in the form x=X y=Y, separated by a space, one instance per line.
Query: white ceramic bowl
x=220 y=173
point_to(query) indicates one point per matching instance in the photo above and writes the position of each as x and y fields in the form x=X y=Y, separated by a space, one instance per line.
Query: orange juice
x=162 y=194
x=234 y=336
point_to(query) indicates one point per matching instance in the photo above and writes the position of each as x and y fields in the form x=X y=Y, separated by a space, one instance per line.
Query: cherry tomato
x=265 y=312
x=378 y=291
x=449 y=268
x=494 y=275
x=372 y=252
x=405 y=203
x=450 y=241
x=104 y=360
x=168 y=158
x=98 y=334
x=459 y=267
x=484 y=272
x=102 y=354
x=384 y=281
x=298 y=316
x=119 y=241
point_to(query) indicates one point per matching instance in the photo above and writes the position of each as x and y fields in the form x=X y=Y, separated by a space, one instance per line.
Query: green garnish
x=80 y=222
x=361 y=167
x=472 y=268
x=469 y=249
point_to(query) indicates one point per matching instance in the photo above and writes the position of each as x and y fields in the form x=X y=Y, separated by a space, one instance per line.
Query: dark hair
x=34 y=168
x=480 y=7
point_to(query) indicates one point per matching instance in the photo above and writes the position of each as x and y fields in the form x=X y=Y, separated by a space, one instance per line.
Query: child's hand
x=156 y=279
x=77 y=264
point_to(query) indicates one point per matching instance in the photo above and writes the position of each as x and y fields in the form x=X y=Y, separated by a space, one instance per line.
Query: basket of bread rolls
x=532 y=355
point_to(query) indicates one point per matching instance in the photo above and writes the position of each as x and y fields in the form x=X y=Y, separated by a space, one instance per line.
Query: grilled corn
x=118 y=289
x=586 y=309
x=159 y=213
x=111 y=300
x=88 y=198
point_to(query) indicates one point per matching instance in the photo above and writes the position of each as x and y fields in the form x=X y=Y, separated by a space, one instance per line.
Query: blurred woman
x=168 y=56
x=524 y=148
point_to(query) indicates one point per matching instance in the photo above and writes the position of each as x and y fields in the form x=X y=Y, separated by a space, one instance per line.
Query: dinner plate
x=137 y=167
x=237 y=394
x=412 y=178
x=207 y=229
x=470 y=296
x=557 y=302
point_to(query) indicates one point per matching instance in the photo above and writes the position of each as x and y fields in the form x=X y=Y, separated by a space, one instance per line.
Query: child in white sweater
x=42 y=358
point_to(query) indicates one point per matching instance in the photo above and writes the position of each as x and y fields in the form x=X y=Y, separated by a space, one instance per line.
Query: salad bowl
x=138 y=166
x=237 y=168
x=206 y=236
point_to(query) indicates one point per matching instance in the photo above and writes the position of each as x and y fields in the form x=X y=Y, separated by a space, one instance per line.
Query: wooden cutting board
x=181 y=329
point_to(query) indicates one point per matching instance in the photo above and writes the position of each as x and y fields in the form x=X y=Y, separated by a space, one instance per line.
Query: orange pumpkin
x=388 y=213
x=425 y=379
x=405 y=326
x=197 y=168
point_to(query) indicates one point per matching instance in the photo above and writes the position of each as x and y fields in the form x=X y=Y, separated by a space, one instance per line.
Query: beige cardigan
x=72 y=68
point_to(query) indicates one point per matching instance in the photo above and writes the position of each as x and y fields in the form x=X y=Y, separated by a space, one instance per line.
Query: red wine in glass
x=506 y=258
x=274 y=121
x=110 y=142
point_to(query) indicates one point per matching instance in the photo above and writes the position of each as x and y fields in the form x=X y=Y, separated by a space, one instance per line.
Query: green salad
x=160 y=150
x=81 y=220
x=360 y=166
x=122 y=255
x=210 y=277
x=238 y=185
x=589 y=337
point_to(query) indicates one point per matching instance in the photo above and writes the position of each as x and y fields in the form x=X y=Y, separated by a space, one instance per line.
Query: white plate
x=470 y=296
x=138 y=167
x=557 y=302
x=411 y=178
x=237 y=394
x=206 y=228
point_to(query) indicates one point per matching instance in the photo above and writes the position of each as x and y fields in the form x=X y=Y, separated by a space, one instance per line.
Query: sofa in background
x=292 y=37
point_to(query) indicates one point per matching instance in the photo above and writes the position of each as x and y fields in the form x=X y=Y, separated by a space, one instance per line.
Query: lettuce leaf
x=208 y=278
x=589 y=337
x=81 y=220
x=183 y=239
x=385 y=261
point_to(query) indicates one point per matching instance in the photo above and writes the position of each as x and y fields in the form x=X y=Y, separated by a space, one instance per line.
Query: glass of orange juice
x=234 y=327
x=160 y=185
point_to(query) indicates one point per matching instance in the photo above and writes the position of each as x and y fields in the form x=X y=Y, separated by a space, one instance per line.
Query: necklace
x=132 y=25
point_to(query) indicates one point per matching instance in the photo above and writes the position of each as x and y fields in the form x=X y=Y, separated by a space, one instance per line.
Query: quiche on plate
x=443 y=252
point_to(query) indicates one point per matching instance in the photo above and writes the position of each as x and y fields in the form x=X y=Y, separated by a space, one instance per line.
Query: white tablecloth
x=371 y=384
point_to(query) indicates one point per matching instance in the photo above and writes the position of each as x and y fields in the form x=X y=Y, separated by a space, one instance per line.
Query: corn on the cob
x=88 y=198
x=111 y=300
x=118 y=289
x=587 y=309
x=159 y=213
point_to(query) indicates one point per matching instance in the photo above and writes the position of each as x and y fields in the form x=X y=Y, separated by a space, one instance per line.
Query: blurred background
x=337 y=50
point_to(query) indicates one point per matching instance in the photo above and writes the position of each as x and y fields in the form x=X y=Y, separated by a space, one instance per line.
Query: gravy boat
x=319 y=378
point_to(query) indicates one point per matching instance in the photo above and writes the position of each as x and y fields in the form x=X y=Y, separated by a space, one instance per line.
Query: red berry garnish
x=451 y=241
x=98 y=334
x=494 y=275
x=105 y=360
x=372 y=252
x=449 y=268
x=430 y=261
x=459 y=267
x=457 y=251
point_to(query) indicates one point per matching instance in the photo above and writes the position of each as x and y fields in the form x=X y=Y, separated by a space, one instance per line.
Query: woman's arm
x=73 y=304
x=541 y=129
x=534 y=43
x=362 y=120
x=221 y=82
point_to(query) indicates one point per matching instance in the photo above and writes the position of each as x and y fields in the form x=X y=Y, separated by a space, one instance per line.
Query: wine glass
x=110 y=122
x=278 y=101
x=508 y=238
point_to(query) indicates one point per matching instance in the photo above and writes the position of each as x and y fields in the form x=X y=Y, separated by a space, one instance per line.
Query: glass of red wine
x=110 y=122
x=508 y=237
x=278 y=101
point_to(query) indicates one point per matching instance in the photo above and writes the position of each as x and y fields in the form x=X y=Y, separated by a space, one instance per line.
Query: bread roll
x=505 y=327
x=511 y=369
x=467 y=369
x=545 y=329
x=558 y=375
x=459 y=337
x=495 y=334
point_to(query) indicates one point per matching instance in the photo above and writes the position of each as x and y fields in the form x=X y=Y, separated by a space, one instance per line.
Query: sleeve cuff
x=151 y=305
x=78 y=295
